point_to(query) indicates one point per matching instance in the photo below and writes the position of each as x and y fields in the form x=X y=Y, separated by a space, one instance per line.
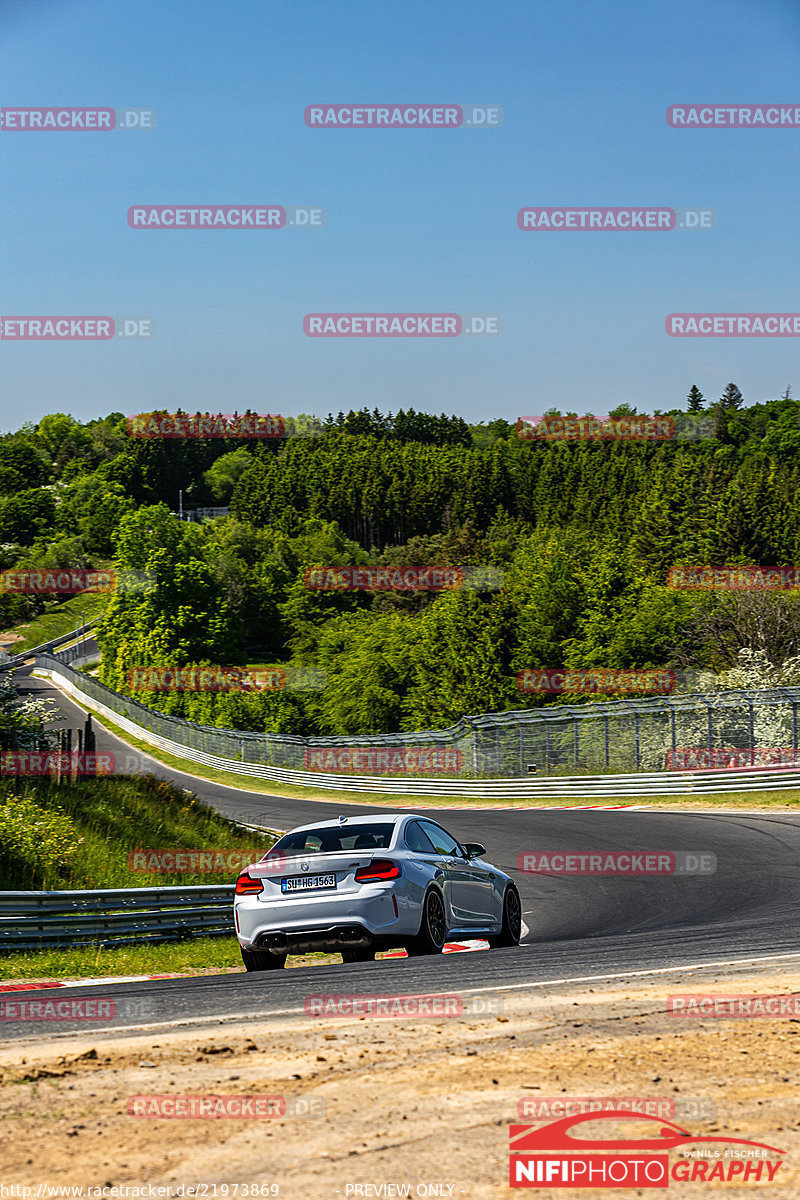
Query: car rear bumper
x=332 y=922
x=297 y=941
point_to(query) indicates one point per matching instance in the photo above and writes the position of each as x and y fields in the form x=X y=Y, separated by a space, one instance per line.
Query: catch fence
x=618 y=737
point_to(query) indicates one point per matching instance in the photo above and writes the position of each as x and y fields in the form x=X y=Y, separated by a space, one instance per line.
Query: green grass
x=87 y=962
x=80 y=834
x=192 y=957
x=59 y=619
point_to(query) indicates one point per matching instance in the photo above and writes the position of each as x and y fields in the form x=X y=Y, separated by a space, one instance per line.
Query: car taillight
x=378 y=869
x=247 y=886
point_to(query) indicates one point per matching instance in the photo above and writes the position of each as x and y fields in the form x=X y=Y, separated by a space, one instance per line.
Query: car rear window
x=343 y=837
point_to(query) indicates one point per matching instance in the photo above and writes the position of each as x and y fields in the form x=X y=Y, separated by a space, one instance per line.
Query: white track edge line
x=222 y=1018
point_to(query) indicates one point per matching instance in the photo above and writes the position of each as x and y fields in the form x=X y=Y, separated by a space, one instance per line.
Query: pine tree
x=695 y=399
x=731 y=398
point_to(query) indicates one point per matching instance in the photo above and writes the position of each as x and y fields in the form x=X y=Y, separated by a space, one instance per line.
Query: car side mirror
x=474 y=850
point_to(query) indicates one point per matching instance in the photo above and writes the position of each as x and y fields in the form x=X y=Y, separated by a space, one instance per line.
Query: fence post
x=636 y=738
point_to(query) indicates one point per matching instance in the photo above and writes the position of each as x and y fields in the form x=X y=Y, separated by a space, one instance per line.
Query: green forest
x=579 y=536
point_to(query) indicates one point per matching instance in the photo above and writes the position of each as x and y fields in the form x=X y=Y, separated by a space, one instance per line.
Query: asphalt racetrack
x=578 y=927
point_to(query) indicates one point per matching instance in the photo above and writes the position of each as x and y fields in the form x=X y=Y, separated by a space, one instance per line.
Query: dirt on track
x=419 y=1103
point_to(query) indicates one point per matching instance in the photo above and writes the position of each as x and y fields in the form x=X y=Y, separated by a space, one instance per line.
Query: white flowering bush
x=26 y=720
x=752 y=674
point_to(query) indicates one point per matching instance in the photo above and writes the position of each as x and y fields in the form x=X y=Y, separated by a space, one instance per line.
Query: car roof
x=370 y=818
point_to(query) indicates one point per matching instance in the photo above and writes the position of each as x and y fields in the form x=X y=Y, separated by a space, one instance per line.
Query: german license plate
x=308 y=883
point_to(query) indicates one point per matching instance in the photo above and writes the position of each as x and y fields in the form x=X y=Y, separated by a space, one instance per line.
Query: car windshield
x=333 y=838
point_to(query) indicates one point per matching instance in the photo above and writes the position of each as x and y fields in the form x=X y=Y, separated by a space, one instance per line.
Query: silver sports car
x=362 y=884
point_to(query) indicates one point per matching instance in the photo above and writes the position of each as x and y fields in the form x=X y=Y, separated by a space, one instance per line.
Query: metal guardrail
x=604 y=739
x=205 y=514
x=16 y=660
x=114 y=916
x=641 y=784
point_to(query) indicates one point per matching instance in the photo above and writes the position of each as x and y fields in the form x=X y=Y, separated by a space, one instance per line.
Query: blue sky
x=417 y=221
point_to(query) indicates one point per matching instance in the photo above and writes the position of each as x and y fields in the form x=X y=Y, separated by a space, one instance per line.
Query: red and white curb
x=38 y=987
x=450 y=948
x=519 y=807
